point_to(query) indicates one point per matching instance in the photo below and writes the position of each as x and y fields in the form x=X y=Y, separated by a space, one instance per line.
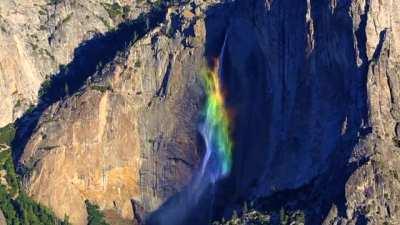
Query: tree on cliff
x=95 y=217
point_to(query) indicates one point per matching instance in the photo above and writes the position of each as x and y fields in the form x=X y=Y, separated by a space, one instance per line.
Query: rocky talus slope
x=313 y=87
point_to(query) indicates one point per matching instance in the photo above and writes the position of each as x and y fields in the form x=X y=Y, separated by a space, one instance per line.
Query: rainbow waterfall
x=217 y=162
x=216 y=126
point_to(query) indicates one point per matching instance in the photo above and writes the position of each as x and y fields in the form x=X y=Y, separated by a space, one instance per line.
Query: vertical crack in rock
x=103 y=114
x=361 y=35
x=378 y=49
x=163 y=89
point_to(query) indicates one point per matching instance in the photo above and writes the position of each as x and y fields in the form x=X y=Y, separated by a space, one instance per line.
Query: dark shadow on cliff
x=328 y=189
x=89 y=58
x=251 y=86
x=342 y=88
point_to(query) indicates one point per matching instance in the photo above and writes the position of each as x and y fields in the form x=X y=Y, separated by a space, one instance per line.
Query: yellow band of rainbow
x=217 y=120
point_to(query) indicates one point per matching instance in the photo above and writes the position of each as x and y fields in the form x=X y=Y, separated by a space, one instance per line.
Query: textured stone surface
x=314 y=90
x=2 y=219
x=129 y=135
x=324 y=82
x=36 y=37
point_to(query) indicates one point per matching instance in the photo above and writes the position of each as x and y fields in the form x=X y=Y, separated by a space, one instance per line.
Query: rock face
x=314 y=90
x=2 y=219
x=36 y=37
x=130 y=135
x=314 y=86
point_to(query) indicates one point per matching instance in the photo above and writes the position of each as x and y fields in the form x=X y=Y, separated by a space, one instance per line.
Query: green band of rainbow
x=217 y=122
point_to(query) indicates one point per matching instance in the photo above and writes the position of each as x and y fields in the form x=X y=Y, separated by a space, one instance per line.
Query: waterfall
x=215 y=128
x=217 y=161
x=221 y=57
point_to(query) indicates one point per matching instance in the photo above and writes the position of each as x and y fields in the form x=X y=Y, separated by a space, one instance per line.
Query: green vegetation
x=284 y=218
x=34 y=46
x=16 y=206
x=45 y=51
x=95 y=216
x=7 y=134
x=291 y=217
x=396 y=142
x=394 y=174
x=54 y=2
x=257 y=217
x=66 y=19
x=138 y=63
x=18 y=103
x=100 y=88
x=3 y=29
x=114 y=10
x=30 y=109
x=161 y=3
x=125 y=10
x=44 y=87
x=251 y=217
x=42 y=12
x=6 y=164
x=23 y=210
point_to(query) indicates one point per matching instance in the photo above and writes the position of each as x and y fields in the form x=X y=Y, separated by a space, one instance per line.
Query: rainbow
x=216 y=128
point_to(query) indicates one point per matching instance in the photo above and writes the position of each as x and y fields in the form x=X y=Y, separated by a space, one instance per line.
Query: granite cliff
x=127 y=138
x=313 y=88
x=37 y=37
